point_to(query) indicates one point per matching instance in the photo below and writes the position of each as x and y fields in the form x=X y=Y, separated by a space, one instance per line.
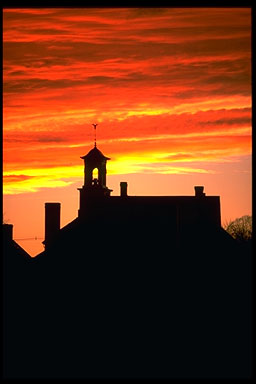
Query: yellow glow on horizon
x=161 y=162
x=41 y=178
x=36 y=179
x=33 y=186
x=148 y=163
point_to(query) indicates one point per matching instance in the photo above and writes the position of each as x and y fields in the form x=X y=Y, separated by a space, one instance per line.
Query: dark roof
x=95 y=154
x=14 y=252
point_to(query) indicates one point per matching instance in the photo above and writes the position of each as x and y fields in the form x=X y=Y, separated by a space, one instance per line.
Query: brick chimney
x=52 y=222
x=199 y=191
x=123 y=188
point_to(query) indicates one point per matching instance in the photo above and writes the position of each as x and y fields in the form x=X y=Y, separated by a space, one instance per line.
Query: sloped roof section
x=95 y=154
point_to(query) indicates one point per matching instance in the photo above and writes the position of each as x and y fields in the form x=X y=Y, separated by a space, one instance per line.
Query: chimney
x=199 y=191
x=52 y=221
x=123 y=189
x=7 y=232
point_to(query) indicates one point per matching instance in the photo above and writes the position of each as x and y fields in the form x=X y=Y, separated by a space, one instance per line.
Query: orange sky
x=169 y=87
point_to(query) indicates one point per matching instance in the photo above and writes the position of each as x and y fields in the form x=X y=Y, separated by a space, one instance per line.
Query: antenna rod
x=95 y=125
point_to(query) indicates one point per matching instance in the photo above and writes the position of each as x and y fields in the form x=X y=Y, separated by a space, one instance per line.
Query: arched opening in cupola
x=95 y=175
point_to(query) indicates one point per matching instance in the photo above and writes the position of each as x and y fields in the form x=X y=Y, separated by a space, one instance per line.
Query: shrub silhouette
x=240 y=229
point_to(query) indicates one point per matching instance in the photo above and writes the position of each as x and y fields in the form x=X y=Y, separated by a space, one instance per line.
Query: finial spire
x=95 y=125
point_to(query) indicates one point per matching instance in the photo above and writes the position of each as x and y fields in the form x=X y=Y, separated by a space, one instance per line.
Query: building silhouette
x=181 y=218
x=135 y=286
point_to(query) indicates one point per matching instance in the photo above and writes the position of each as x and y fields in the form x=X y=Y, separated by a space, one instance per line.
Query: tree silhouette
x=240 y=229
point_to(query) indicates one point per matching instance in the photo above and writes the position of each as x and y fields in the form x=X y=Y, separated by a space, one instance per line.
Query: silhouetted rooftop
x=95 y=154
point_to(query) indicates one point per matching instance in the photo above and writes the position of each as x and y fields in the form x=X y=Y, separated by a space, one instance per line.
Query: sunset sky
x=169 y=87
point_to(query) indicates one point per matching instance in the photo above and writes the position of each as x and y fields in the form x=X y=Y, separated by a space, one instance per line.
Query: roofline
x=105 y=157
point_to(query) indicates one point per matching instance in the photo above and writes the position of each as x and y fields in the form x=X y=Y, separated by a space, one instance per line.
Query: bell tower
x=95 y=171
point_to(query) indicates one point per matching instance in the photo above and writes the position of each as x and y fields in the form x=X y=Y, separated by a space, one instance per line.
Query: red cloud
x=178 y=82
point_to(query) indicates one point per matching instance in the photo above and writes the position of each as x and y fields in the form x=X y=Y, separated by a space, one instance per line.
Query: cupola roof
x=95 y=154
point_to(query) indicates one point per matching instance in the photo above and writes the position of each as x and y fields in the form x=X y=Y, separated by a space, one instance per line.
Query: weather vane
x=95 y=125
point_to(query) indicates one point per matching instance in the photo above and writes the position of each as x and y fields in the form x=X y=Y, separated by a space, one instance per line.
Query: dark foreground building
x=135 y=286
